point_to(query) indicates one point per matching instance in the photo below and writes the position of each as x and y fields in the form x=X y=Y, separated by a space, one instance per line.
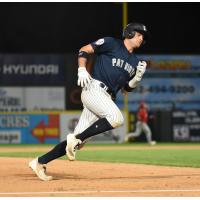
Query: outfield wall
x=49 y=127
x=171 y=126
x=52 y=127
x=48 y=82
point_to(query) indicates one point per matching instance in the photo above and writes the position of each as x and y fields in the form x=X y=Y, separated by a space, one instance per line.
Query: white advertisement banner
x=10 y=137
x=32 y=98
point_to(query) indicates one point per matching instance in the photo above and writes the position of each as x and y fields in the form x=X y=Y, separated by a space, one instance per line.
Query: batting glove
x=84 y=77
x=141 y=68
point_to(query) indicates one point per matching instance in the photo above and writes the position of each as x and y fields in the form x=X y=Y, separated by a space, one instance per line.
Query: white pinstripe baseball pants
x=97 y=104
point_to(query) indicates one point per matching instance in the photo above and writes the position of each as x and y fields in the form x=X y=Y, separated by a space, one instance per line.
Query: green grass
x=107 y=144
x=167 y=156
x=182 y=158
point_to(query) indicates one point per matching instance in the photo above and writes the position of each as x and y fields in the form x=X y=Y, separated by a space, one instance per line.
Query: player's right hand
x=84 y=77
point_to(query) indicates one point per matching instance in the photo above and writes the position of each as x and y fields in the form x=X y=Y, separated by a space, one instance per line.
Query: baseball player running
x=141 y=125
x=116 y=67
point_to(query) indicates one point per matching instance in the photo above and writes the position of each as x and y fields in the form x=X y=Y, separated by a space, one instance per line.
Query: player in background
x=116 y=68
x=142 y=125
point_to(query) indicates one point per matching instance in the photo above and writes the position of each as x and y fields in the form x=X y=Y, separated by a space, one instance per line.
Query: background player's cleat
x=39 y=170
x=152 y=142
x=126 y=138
x=72 y=146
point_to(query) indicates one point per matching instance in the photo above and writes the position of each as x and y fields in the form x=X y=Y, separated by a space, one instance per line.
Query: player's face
x=137 y=40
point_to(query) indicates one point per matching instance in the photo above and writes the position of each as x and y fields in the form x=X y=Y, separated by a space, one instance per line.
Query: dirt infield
x=95 y=179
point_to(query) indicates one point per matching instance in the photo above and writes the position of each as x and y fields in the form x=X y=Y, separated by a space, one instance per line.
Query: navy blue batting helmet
x=132 y=28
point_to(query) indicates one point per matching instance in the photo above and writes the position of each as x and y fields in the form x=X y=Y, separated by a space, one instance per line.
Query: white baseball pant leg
x=147 y=132
x=138 y=130
x=87 y=118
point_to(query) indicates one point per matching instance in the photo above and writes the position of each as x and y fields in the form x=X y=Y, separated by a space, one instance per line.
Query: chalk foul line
x=99 y=191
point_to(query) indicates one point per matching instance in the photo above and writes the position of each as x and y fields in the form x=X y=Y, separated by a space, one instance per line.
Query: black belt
x=110 y=92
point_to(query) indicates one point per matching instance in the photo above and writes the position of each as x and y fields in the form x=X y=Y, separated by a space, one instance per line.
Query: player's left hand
x=141 y=68
x=84 y=77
